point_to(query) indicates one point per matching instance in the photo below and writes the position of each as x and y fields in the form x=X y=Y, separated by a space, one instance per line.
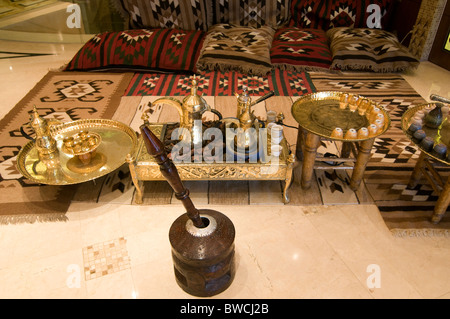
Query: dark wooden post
x=170 y=173
x=202 y=240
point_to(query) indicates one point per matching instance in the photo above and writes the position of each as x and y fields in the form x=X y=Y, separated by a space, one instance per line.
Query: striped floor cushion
x=230 y=47
x=368 y=50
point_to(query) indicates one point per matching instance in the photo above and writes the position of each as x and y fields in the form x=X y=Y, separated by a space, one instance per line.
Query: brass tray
x=406 y=122
x=118 y=140
x=319 y=113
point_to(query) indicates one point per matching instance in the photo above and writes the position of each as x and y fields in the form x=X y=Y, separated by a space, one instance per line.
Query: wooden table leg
x=417 y=173
x=442 y=203
x=139 y=193
x=346 y=149
x=364 y=154
x=312 y=142
x=300 y=143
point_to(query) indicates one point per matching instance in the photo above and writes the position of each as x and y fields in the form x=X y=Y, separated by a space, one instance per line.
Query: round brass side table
x=426 y=163
x=318 y=114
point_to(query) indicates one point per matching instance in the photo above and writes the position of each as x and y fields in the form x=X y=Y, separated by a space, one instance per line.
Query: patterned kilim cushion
x=231 y=47
x=141 y=49
x=369 y=50
x=341 y=13
x=177 y=14
x=300 y=49
x=256 y=13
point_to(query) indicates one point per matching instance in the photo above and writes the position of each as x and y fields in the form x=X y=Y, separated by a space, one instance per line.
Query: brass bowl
x=82 y=145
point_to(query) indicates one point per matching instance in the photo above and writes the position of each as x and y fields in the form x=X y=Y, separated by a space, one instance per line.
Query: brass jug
x=46 y=147
x=244 y=113
x=191 y=110
x=44 y=142
x=246 y=116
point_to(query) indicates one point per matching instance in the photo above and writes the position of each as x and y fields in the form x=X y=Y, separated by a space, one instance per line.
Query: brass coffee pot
x=191 y=110
x=245 y=114
x=44 y=142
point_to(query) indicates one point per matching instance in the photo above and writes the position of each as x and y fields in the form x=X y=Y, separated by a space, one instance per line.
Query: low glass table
x=143 y=167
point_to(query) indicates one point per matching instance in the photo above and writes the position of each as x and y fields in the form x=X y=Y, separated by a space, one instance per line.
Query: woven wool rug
x=405 y=211
x=283 y=83
x=65 y=96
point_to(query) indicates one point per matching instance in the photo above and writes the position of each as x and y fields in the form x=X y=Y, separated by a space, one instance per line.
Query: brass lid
x=38 y=123
x=244 y=97
x=194 y=101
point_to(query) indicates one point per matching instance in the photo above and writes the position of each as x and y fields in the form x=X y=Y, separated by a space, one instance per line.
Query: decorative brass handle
x=219 y=115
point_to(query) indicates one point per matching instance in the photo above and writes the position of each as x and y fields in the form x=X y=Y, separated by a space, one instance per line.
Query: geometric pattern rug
x=69 y=96
x=405 y=211
x=283 y=83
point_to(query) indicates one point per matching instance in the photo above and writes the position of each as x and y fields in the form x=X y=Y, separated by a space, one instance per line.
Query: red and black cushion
x=300 y=49
x=327 y=14
x=141 y=49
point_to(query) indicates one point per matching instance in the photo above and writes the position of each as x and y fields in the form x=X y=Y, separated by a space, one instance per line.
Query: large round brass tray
x=431 y=132
x=319 y=113
x=117 y=141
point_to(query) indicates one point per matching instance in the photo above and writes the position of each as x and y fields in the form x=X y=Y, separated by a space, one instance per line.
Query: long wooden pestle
x=169 y=171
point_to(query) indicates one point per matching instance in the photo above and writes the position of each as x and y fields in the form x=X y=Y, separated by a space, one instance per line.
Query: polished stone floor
x=107 y=250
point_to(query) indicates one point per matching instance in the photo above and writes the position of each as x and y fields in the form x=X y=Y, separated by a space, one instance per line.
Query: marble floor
x=107 y=250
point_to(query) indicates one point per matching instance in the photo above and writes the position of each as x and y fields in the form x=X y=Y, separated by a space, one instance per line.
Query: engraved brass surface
x=319 y=113
x=431 y=132
x=117 y=141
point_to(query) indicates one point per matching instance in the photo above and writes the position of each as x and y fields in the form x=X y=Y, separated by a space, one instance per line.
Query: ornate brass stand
x=144 y=168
